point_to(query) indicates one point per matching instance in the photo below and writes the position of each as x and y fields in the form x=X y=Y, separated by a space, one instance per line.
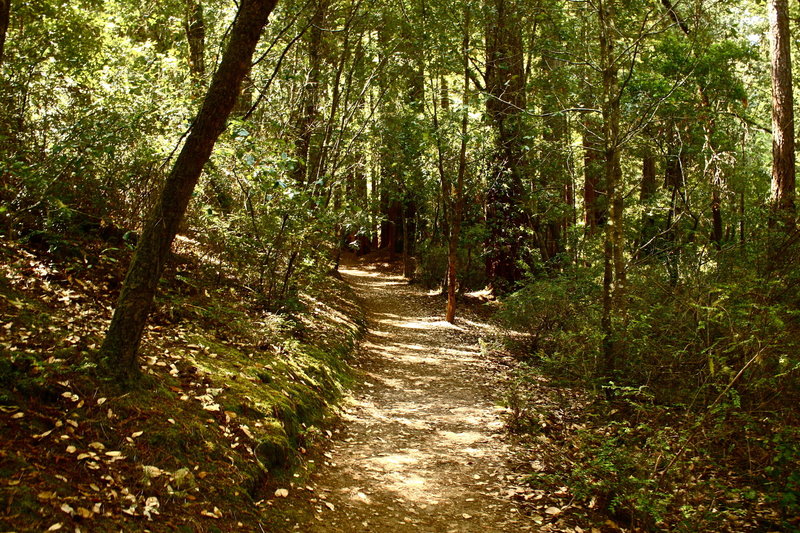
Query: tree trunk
x=783 y=158
x=407 y=274
x=648 y=189
x=309 y=112
x=5 y=13
x=716 y=212
x=505 y=85
x=614 y=264
x=122 y=340
x=196 y=38
x=554 y=195
x=674 y=180
x=458 y=212
x=444 y=177
x=594 y=192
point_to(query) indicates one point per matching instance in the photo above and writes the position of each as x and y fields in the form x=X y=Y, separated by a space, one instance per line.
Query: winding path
x=422 y=447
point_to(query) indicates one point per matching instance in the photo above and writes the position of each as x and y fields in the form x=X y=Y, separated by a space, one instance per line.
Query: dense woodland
x=616 y=178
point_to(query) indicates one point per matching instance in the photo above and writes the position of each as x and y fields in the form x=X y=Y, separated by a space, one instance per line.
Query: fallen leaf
x=281 y=493
x=114 y=453
x=130 y=510
x=55 y=527
x=467 y=516
x=151 y=506
x=101 y=401
x=552 y=510
x=152 y=471
x=99 y=446
x=71 y=449
x=137 y=434
x=84 y=513
x=18 y=415
x=67 y=508
x=330 y=506
x=216 y=513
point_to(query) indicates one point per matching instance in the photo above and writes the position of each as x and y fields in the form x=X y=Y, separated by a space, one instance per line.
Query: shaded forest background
x=607 y=170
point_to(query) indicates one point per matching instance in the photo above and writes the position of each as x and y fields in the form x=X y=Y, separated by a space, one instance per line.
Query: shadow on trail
x=422 y=449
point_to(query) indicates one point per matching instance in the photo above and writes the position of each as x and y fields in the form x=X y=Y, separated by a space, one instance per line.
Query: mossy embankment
x=230 y=400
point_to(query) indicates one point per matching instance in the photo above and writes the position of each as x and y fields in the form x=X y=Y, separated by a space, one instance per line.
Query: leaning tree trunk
x=121 y=344
x=783 y=158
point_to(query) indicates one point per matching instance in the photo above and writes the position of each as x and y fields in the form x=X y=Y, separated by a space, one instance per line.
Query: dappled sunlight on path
x=422 y=449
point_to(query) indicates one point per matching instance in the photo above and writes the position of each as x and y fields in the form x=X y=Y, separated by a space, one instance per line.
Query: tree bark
x=120 y=347
x=5 y=15
x=648 y=229
x=783 y=158
x=594 y=191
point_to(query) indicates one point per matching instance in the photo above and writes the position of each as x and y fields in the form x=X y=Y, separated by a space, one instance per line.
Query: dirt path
x=422 y=450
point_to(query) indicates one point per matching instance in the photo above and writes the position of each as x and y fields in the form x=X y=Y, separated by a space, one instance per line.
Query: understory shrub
x=703 y=425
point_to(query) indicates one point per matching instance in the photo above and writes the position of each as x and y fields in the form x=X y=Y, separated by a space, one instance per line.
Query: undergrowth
x=231 y=399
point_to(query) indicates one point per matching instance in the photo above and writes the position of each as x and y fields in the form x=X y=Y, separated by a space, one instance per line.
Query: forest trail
x=422 y=448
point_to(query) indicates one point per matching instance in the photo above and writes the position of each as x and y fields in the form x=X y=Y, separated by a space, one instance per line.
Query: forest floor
x=235 y=423
x=423 y=446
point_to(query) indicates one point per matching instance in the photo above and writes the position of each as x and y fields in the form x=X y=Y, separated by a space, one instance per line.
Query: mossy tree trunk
x=119 y=350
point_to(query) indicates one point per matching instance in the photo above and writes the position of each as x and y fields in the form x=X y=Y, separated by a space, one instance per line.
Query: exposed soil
x=422 y=447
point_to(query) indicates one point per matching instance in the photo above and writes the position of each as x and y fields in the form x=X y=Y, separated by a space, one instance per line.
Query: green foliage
x=561 y=317
x=783 y=473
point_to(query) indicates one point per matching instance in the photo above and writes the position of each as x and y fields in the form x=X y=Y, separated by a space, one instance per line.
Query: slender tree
x=613 y=246
x=5 y=13
x=458 y=211
x=121 y=344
